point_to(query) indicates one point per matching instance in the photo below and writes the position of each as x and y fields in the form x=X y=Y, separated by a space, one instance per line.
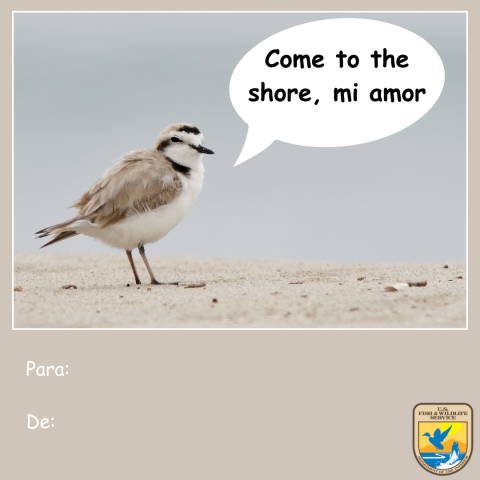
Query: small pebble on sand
x=196 y=285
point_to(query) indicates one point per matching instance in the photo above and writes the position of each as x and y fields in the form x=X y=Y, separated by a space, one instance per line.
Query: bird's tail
x=61 y=232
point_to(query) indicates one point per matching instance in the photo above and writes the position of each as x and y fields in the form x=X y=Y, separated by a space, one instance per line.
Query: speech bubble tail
x=255 y=143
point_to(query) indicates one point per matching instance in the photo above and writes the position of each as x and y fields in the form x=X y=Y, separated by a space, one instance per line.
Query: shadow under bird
x=141 y=198
x=438 y=437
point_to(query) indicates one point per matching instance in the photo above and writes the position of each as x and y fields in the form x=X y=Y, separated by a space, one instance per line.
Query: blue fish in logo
x=438 y=437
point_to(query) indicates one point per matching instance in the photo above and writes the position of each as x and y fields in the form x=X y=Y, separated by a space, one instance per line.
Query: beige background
x=231 y=404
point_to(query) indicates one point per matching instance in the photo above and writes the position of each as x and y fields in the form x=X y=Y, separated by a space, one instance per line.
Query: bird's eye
x=175 y=139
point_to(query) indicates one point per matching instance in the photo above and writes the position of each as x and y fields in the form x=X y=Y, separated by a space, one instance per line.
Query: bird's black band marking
x=179 y=168
x=188 y=129
x=163 y=145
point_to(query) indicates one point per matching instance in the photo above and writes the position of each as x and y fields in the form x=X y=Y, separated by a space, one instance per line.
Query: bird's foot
x=156 y=282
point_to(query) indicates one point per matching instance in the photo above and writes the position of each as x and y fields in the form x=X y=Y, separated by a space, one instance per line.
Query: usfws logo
x=443 y=436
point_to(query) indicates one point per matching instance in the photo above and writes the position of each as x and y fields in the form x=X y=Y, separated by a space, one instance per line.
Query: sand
x=237 y=294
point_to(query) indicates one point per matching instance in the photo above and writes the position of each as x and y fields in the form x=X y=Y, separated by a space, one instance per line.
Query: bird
x=142 y=197
x=438 y=437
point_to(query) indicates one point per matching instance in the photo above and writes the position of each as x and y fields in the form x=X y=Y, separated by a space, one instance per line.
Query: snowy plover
x=142 y=197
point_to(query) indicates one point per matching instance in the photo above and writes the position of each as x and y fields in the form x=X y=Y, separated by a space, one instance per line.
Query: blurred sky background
x=90 y=87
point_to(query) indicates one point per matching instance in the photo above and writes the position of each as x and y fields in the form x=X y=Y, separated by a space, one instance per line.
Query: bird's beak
x=202 y=149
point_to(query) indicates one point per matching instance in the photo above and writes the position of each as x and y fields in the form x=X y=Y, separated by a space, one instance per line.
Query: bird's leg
x=134 y=270
x=154 y=281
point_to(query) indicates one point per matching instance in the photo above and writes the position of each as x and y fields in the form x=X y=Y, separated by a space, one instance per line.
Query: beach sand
x=237 y=294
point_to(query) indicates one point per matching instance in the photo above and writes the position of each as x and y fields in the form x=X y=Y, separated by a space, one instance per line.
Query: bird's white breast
x=151 y=226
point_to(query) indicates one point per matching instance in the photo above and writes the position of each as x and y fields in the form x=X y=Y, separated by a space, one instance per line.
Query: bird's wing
x=437 y=433
x=445 y=433
x=143 y=180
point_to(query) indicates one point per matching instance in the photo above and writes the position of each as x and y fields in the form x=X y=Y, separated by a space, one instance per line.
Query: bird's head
x=426 y=435
x=183 y=144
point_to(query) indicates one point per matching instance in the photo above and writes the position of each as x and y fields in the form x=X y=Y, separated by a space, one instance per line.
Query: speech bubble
x=291 y=87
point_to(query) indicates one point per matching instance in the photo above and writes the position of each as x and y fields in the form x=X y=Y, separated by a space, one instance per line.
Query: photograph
x=143 y=198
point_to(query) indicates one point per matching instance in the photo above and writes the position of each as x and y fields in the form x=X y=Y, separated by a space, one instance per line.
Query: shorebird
x=141 y=198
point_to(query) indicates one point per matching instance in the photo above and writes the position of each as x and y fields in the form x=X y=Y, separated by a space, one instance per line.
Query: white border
x=226 y=328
